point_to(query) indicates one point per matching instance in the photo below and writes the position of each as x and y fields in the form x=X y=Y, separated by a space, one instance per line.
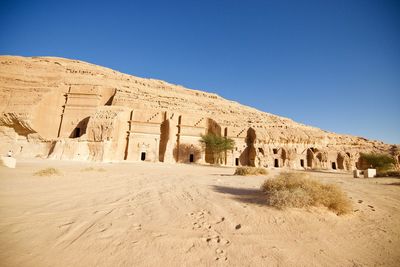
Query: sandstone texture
x=68 y=109
x=160 y=214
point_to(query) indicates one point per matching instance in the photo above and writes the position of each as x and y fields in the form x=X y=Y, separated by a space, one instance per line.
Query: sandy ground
x=147 y=214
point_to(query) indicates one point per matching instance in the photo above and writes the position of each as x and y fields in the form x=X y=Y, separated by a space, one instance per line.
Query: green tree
x=382 y=162
x=218 y=145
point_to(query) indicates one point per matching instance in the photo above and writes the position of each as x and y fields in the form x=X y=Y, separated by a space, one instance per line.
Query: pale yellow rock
x=70 y=109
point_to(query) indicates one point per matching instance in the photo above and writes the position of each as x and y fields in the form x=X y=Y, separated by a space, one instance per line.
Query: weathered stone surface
x=70 y=109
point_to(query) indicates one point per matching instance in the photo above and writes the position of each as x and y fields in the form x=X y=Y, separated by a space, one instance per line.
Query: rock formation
x=69 y=109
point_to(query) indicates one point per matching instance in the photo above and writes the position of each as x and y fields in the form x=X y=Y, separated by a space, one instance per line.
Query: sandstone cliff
x=33 y=93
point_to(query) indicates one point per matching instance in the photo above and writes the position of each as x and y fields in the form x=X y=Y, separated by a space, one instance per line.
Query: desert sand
x=157 y=214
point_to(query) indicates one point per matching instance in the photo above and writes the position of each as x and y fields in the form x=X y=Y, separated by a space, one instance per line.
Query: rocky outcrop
x=72 y=107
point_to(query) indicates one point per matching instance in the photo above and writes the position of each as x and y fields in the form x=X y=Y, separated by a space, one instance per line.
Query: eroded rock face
x=70 y=109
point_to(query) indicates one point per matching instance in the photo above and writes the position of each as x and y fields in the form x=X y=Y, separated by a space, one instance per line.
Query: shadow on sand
x=396 y=184
x=246 y=195
x=328 y=172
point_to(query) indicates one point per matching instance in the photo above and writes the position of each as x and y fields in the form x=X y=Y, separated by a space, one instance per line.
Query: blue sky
x=330 y=64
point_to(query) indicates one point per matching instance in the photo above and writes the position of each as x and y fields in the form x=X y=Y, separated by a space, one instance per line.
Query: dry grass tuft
x=47 y=172
x=250 y=171
x=92 y=169
x=291 y=189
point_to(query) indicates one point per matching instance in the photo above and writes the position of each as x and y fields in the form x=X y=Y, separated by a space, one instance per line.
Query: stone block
x=357 y=173
x=370 y=173
x=9 y=162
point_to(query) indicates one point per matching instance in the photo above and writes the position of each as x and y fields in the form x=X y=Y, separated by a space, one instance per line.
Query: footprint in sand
x=102 y=227
x=221 y=254
x=137 y=226
x=199 y=220
x=216 y=240
x=220 y=220
x=65 y=224
x=212 y=237
x=372 y=207
x=219 y=244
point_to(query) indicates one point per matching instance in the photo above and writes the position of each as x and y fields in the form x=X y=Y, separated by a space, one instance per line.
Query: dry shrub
x=250 y=171
x=388 y=174
x=92 y=169
x=297 y=190
x=47 y=172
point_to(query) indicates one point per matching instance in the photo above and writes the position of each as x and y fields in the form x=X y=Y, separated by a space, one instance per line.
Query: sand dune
x=148 y=214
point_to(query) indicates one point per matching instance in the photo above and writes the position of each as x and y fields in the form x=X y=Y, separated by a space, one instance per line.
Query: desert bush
x=381 y=162
x=47 y=172
x=297 y=190
x=250 y=171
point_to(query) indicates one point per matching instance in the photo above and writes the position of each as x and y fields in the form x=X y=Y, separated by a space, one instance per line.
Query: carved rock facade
x=68 y=109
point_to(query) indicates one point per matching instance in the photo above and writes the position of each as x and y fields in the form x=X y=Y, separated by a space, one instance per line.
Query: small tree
x=381 y=162
x=218 y=145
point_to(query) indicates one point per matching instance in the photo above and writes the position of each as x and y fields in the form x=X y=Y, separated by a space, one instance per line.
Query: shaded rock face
x=68 y=109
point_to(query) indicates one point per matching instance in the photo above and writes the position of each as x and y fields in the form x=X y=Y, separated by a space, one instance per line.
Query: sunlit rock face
x=69 y=109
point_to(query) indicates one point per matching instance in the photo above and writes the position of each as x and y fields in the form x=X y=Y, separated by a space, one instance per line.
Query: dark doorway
x=334 y=165
x=276 y=163
x=310 y=157
x=80 y=128
x=76 y=133
x=143 y=156
x=191 y=158
x=302 y=163
x=236 y=161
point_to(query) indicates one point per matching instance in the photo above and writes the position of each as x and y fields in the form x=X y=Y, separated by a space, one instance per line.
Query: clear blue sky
x=330 y=64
